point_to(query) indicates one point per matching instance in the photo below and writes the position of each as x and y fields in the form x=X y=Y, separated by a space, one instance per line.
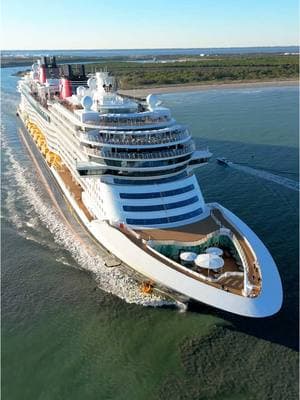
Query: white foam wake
x=280 y=180
x=111 y=280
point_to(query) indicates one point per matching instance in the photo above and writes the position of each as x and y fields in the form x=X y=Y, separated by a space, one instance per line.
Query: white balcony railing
x=139 y=156
x=134 y=140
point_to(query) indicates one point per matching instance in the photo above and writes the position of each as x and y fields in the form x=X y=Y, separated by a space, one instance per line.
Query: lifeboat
x=40 y=142
x=53 y=159
x=57 y=161
x=36 y=136
x=44 y=149
x=33 y=131
x=50 y=157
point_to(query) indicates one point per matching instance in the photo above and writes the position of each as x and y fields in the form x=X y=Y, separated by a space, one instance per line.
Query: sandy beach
x=143 y=92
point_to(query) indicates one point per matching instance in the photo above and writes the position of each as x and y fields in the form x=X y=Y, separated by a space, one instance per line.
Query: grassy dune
x=202 y=70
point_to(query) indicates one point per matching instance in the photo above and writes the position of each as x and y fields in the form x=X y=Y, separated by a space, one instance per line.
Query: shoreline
x=143 y=92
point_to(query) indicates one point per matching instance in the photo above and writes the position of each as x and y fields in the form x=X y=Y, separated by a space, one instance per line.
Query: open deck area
x=186 y=233
x=233 y=284
x=230 y=278
x=74 y=188
x=253 y=269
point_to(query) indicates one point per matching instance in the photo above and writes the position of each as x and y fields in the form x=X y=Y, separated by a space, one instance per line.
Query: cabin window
x=154 y=195
x=165 y=220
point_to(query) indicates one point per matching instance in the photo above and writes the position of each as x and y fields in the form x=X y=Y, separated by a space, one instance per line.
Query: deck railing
x=134 y=140
x=139 y=156
x=248 y=285
x=140 y=121
x=244 y=262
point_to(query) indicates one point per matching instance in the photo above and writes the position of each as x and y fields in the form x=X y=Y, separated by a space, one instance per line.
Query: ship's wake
x=90 y=258
x=280 y=180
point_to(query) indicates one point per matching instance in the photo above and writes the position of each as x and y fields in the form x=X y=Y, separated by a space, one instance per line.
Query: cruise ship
x=126 y=166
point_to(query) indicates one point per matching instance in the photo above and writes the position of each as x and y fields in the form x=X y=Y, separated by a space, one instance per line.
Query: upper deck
x=122 y=136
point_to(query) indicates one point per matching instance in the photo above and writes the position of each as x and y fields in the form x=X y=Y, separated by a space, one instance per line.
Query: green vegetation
x=183 y=71
x=27 y=61
x=202 y=70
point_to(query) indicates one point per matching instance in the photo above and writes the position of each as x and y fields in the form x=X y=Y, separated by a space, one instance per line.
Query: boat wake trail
x=280 y=180
x=90 y=258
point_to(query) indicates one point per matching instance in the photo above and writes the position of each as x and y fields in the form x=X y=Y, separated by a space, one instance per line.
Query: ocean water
x=152 y=52
x=73 y=330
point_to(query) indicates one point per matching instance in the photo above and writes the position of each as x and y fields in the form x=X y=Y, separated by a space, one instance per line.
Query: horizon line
x=153 y=48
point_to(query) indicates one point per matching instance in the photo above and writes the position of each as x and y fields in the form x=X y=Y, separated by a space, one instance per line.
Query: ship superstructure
x=127 y=168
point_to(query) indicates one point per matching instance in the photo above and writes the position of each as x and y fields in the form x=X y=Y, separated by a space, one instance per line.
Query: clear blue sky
x=123 y=24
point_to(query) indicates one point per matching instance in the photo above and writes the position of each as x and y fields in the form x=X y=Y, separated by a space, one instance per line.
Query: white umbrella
x=214 y=250
x=209 y=261
x=188 y=256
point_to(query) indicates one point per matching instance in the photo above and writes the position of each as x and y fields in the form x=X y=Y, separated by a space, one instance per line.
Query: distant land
x=142 y=71
x=138 y=53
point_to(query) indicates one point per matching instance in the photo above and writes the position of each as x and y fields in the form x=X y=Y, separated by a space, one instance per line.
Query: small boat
x=223 y=161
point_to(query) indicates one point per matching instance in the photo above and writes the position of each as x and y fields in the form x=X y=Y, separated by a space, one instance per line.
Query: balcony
x=135 y=140
x=133 y=121
x=140 y=156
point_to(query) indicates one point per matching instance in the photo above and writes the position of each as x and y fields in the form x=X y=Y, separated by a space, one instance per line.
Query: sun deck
x=187 y=233
x=230 y=278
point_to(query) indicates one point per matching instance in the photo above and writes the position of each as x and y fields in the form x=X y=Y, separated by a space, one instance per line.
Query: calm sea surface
x=152 y=52
x=65 y=336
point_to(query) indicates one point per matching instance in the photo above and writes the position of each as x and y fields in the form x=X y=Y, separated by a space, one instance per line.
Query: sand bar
x=143 y=92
